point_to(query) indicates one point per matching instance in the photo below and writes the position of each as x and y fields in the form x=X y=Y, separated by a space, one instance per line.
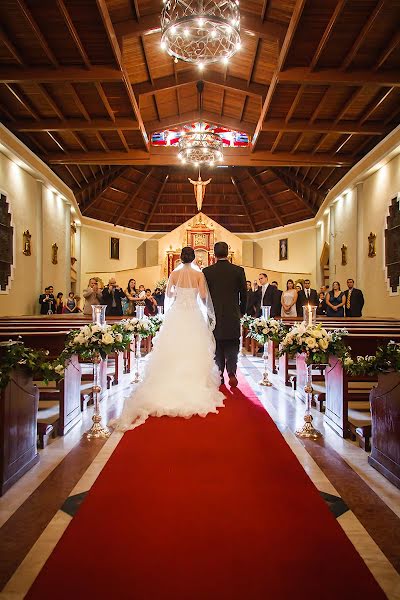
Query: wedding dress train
x=181 y=378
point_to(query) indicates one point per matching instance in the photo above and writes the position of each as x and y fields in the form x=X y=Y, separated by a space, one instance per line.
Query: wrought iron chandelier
x=200 y=145
x=199 y=31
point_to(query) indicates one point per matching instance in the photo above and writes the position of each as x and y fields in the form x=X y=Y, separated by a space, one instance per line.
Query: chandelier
x=200 y=32
x=200 y=145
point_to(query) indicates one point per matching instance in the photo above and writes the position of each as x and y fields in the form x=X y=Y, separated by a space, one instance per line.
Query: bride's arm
x=202 y=286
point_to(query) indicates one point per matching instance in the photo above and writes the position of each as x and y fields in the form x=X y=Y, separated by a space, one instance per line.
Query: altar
x=201 y=238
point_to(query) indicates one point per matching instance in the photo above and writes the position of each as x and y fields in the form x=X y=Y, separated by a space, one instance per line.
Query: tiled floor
x=36 y=511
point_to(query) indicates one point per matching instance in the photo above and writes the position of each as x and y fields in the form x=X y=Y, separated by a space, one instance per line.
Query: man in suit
x=228 y=290
x=112 y=295
x=47 y=301
x=354 y=300
x=267 y=295
x=308 y=295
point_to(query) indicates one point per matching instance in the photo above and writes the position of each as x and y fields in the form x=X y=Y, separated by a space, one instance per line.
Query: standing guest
x=47 y=301
x=70 y=305
x=250 y=300
x=112 y=295
x=92 y=296
x=275 y=283
x=159 y=296
x=308 y=295
x=59 y=303
x=131 y=294
x=354 y=300
x=321 y=306
x=299 y=307
x=267 y=295
x=227 y=285
x=150 y=308
x=335 y=301
x=289 y=299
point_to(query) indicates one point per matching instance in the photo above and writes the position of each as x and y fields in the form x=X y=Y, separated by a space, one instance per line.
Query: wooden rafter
x=119 y=214
x=76 y=124
x=73 y=32
x=363 y=34
x=39 y=36
x=243 y=203
x=300 y=189
x=168 y=157
x=191 y=76
x=326 y=35
x=89 y=193
x=156 y=203
x=11 y=48
x=268 y=202
x=102 y=6
x=387 y=51
x=191 y=116
x=297 y=11
x=50 y=75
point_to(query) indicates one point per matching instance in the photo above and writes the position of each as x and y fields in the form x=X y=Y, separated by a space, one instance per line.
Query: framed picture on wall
x=114 y=248
x=283 y=249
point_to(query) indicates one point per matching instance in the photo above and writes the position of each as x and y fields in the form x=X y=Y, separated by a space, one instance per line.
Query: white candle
x=309 y=316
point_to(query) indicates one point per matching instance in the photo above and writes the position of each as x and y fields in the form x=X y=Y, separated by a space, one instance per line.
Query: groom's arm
x=242 y=291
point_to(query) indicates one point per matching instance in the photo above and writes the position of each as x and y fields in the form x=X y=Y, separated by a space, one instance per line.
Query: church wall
x=46 y=215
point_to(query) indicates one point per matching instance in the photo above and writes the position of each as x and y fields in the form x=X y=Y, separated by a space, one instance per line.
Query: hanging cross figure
x=199 y=190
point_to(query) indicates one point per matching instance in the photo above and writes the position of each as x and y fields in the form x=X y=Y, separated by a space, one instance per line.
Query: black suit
x=113 y=297
x=227 y=285
x=46 y=305
x=356 y=303
x=272 y=298
x=312 y=300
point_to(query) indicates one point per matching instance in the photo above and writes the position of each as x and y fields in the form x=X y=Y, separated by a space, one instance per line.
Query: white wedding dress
x=181 y=378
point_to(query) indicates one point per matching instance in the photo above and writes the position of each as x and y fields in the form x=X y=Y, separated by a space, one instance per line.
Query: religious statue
x=26 y=236
x=344 y=254
x=371 y=245
x=199 y=190
x=54 y=253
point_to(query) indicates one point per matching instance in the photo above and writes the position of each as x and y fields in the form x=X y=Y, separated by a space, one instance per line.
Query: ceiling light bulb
x=213 y=33
x=211 y=163
x=200 y=22
x=201 y=66
x=238 y=46
x=163 y=45
x=225 y=60
x=196 y=164
x=186 y=33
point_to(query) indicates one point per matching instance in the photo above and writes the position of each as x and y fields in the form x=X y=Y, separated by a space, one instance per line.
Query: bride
x=181 y=378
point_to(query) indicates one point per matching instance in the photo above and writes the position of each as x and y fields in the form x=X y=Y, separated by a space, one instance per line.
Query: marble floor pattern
x=337 y=467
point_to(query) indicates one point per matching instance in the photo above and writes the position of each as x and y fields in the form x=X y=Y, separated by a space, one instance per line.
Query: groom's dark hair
x=221 y=250
x=187 y=254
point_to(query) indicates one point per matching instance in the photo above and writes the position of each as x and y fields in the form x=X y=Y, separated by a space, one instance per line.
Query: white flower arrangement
x=314 y=341
x=262 y=330
x=96 y=339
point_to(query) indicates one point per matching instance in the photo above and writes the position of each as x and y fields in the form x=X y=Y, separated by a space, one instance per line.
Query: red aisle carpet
x=205 y=509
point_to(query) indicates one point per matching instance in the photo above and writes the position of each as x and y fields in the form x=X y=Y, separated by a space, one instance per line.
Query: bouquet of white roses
x=262 y=330
x=135 y=326
x=156 y=323
x=314 y=341
x=94 y=339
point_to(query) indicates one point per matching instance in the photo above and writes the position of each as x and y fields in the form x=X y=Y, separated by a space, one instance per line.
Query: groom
x=227 y=285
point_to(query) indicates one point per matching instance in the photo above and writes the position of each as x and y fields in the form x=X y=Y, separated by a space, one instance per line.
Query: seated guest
x=131 y=294
x=308 y=295
x=159 y=296
x=321 y=306
x=299 y=306
x=70 y=305
x=59 y=303
x=150 y=308
x=354 y=300
x=47 y=301
x=112 y=295
x=335 y=301
x=78 y=308
x=266 y=295
x=92 y=296
x=288 y=300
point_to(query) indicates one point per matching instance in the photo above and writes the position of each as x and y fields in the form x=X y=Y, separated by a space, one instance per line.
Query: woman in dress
x=299 y=306
x=70 y=305
x=288 y=300
x=189 y=321
x=59 y=303
x=335 y=301
x=131 y=294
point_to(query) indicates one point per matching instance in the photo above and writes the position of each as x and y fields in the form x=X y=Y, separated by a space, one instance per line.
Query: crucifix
x=199 y=190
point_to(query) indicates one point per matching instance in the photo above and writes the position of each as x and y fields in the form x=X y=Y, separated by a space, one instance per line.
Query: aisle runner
x=205 y=509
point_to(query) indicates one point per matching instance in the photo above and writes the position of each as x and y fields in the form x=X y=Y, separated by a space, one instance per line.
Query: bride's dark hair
x=187 y=254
